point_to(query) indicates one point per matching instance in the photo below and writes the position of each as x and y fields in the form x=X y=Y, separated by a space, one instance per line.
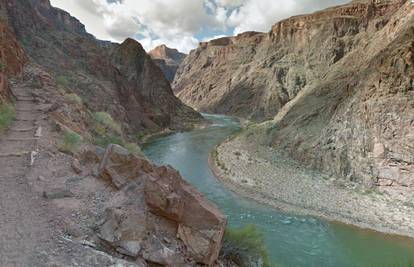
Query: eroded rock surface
x=156 y=215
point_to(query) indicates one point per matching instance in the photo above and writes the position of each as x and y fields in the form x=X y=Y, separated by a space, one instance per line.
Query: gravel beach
x=263 y=174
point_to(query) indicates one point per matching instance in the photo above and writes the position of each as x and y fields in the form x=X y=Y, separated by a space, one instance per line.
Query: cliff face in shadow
x=91 y=68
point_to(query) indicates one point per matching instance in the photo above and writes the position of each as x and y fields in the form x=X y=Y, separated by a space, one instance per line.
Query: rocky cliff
x=339 y=83
x=357 y=120
x=253 y=75
x=167 y=59
x=12 y=60
x=93 y=70
x=77 y=202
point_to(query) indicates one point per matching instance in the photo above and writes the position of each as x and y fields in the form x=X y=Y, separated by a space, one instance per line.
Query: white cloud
x=177 y=22
x=260 y=15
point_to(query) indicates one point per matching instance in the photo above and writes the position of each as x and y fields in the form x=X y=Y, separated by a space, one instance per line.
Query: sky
x=182 y=24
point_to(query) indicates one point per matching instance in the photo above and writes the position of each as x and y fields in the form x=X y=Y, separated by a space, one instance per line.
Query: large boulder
x=154 y=214
x=200 y=224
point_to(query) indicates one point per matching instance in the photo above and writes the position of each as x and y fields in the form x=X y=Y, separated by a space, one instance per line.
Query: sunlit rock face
x=338 y=84
x=167 y=59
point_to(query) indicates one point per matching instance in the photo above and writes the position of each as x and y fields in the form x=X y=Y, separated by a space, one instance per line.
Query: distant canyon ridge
x=167 y=59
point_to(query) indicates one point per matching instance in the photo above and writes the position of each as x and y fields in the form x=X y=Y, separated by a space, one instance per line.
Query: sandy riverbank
x=263 y=174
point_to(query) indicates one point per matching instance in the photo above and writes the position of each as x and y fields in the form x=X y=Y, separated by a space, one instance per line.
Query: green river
x=291 y=240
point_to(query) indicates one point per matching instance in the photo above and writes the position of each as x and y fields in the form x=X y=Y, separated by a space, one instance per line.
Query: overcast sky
x=182 y=24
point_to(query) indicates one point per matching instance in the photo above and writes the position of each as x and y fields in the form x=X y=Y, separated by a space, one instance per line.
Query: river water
x=292 y=241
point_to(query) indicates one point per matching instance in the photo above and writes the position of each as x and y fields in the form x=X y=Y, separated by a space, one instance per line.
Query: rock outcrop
x=339 y=83
x=167 y=59
x=91 y=68
x=12 y=59
x=156 y=215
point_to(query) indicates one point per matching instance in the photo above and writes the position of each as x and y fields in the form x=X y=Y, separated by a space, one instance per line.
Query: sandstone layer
x=167 y=59
x=338 y=83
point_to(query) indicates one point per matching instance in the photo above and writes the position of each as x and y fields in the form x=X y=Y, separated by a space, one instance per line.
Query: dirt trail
x=32 y=228
x=26 y=226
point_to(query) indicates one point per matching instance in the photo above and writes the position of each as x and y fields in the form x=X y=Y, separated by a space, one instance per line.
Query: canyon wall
x=253 y=75
x=92 y=69
x=336 y=85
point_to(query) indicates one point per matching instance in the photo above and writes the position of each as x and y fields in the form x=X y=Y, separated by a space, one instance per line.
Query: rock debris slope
x=339 y=83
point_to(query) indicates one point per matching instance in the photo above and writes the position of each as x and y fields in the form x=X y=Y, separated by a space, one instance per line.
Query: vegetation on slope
x=7 y=115
x=245 y=247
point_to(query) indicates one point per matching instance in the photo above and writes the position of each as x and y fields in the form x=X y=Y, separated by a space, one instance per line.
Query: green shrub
x=103 y=120
x=36 y=84
x=2 y=67
x=134 y=149
x=71 y=142
x=7 y=115
x=105 y=140
x=139 y=136
x=74 y=99
x=62 y=81
x=245 y=247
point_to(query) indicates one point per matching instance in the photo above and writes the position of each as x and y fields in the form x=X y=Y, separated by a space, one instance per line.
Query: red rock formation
x=12 y=59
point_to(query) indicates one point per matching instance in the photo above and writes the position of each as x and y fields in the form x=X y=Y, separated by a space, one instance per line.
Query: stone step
x=14 y=154
x=23 y=96
x=22 y=129
x=35 y=118
x=23 y=139
x=29 y=110
x=22 y=119
x=25 y=99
